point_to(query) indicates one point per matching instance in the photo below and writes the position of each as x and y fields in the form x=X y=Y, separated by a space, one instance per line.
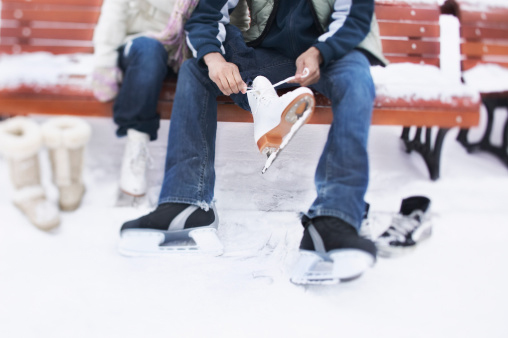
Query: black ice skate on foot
x=172 y=228
x=409 y=227
x=331 y=251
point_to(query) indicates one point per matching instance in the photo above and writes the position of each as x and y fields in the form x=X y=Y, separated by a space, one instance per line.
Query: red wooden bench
x=484 y=41
x=410 y=33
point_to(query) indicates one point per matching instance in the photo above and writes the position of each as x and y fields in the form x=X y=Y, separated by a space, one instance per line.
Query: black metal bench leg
x=485 y=144
x=429 y=149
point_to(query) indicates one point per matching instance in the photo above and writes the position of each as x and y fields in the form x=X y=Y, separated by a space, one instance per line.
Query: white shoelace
x=304 y=75
x=402 y=225
x=261 y=92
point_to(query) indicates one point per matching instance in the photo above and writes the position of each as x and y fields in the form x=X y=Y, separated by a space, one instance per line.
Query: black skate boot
x=332 y=251
x=172 y=228
x=409 y=227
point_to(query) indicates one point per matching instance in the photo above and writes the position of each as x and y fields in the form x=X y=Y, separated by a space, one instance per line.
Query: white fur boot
x=66 y=137
x=20 y=142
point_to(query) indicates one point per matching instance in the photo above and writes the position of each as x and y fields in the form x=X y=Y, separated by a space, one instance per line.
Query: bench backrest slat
x=409 y=33
x=55 y=2
x=489 y=17
x=55 y=26
x=75 y=15
x=484 y=34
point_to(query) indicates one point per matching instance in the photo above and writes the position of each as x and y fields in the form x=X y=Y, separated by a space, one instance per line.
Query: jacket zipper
x=255 y=43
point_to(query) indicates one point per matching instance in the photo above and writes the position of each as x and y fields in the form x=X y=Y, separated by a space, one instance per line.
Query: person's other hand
x=310 y=59
x=105 y=82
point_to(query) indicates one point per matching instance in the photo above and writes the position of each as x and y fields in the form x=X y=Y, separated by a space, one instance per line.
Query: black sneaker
x=332 y=251
x=172 y=228
x=408 y=228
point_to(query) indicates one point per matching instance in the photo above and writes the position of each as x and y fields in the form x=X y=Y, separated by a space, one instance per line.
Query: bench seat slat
x=16 y=49
x=418 y=116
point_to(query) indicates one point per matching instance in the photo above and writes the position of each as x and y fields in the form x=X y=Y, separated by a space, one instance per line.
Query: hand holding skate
x=224 y=74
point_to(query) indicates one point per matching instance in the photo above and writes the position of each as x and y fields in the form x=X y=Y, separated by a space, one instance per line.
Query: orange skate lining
x=274 y=137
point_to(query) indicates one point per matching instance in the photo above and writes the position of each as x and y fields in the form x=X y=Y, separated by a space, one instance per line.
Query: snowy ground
x=73 y=283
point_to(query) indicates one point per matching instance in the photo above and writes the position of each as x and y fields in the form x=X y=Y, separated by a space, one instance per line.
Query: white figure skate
x=277 y=119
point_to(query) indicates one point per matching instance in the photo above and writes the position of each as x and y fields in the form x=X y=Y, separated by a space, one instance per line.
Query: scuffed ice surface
x=76 y=283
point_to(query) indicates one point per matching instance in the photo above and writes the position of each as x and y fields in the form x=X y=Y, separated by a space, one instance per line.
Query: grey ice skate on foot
x=277 y=119
x=331 y=251
x=172 y=228
x=408 y=228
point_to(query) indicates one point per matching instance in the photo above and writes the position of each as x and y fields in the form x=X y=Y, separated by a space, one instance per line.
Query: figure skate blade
x=272 y=155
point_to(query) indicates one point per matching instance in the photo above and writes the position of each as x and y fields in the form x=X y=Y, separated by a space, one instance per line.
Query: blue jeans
x=144 y=63
x=342 y=174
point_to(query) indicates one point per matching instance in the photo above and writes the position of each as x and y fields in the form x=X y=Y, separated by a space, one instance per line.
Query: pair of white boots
x=21 y=139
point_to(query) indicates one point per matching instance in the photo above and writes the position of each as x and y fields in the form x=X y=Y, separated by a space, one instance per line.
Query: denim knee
x=147 y=52
x=357 y=85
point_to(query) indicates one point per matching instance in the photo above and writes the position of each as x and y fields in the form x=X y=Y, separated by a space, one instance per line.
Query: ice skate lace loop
x=260 y=93
x=251 y=89
x=403 y=225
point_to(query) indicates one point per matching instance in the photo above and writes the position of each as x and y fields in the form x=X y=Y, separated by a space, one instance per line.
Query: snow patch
x=425 y=82
x=42 y=69
x=487 y=78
